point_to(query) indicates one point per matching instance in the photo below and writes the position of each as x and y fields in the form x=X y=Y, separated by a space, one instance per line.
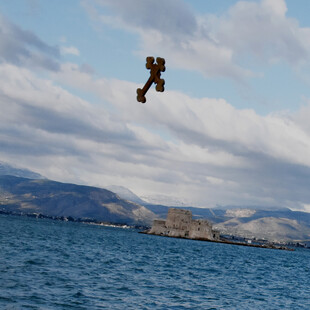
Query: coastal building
x=179 y=224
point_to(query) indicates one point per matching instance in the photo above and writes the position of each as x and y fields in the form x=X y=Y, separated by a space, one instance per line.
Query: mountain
x=125 y=193
x=269 y=228
x=161 y=210
x=51 y=198
x=273 y=224
x=62 y=199
x=6 y=169
x=164 y=200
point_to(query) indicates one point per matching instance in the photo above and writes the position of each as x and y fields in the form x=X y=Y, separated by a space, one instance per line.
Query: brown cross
x=155 y=68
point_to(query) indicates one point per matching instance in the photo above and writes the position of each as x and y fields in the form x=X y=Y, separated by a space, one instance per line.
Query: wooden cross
x=155 y=68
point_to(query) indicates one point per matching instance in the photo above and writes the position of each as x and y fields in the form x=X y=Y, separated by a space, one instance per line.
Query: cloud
x=41 y=106
x=71 y=50
x=46 y=125
x=200 y=150
x=173 y=17
x=24 y=48
x=204 y=122
x=203 y=151
x=261 y=29
x=215 y=46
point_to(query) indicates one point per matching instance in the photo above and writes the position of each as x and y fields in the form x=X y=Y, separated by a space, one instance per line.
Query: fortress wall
x=216 y=235
x=159 y=227
x=178 y=233
x=179 y=223
x=179 y=219
x=201 y=229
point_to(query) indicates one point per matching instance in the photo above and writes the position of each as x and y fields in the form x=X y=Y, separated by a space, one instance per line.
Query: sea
x=48 y=264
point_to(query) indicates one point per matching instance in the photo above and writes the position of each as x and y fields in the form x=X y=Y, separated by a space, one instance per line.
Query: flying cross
x=155 y=68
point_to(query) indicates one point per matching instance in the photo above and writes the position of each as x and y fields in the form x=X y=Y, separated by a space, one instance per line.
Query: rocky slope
x=275 y=224
x=62 y=199
x=269 y=228
x=125 y=193
x=38 y=195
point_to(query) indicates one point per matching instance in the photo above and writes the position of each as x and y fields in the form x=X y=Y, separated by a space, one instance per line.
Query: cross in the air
x=155 y=68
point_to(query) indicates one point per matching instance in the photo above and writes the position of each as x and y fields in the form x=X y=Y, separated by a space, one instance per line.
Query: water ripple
x=55 y=265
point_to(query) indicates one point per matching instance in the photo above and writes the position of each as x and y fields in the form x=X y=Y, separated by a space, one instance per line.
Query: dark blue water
x=46 y=264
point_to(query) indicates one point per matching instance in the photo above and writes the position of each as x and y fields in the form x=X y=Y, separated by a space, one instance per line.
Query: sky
x=231 y=128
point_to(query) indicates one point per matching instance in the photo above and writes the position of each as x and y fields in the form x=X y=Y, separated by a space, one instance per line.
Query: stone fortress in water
x=179 y=224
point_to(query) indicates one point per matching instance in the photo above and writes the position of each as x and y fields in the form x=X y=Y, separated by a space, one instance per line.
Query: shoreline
x=223 y=241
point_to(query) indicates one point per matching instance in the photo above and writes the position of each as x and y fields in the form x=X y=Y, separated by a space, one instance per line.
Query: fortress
x=179 y=224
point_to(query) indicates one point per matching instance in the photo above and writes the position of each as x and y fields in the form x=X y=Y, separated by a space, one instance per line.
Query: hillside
x=53 y=198
x=274 y=224
x=269 y=228
x=6 y=169
x=62 y=199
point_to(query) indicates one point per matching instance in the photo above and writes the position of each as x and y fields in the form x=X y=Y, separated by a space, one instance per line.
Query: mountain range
x=25 y=191
x=6 y=169
x=62 y=199
x=274 y=224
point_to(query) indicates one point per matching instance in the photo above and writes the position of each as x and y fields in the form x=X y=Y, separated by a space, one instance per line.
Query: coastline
x=224 y=241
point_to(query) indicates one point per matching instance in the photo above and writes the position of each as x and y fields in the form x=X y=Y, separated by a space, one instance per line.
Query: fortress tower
x=179 y=223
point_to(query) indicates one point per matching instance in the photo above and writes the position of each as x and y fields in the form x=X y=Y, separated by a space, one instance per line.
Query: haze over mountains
x=6 y=169
x=20 y=194
x=24 y=191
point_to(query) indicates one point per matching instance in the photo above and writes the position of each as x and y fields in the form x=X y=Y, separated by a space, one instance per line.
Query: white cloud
x=278 y=7
x=173 y=17
x=212 y=45
x=201 y=150
x=214 y=154
x=71 y=50
x=200 y=122
x=261 y=29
